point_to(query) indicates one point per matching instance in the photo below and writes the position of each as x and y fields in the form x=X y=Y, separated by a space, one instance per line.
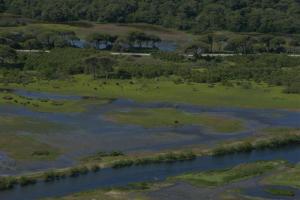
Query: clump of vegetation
x=164 y=158
x=236 y=148
x=24 y=181
x=7 y=183
x=53 y=175
x=280 y=192
x=100 y=155
x=95 y=168
x=76 y=171
x=273 y=142
x=139 y=186
x=41 y=153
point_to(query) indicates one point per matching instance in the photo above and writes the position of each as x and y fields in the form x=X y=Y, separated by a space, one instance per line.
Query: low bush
x=52 y=176
x=7 y=183
x=164 y=158
x=24 y=181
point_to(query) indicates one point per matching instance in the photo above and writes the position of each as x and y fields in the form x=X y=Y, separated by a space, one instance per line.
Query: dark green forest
x=277 y=20
x=266 y=16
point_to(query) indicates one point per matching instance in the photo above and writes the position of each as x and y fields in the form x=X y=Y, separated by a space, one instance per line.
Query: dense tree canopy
x=197 y=15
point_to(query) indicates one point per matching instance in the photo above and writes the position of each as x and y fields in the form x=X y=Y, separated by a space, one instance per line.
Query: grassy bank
x=163 y=90
x=272 y=140
x=290 y=176
x=163 y=158
x=280 y=192
x=141 y=191
x=117 y=160
x=221 y=177
x=150 y=118
x=128 y=193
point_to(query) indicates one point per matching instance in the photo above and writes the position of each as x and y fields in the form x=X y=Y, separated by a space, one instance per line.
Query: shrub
x=95 y=168
x=52 y=176
x=23 y=181
x=7 y=183
x=164 y=158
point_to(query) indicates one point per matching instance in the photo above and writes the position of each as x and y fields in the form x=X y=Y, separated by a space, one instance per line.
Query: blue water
x=91 y=129
x=121 y=177
x=45 y=95
x=261 y=192
x=165 y=46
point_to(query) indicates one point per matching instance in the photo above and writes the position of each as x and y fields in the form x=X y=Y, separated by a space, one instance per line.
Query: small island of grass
x=225 y=176
x=152 y=118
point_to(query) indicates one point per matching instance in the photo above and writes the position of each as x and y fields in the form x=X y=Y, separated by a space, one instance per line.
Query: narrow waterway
x=121 y=177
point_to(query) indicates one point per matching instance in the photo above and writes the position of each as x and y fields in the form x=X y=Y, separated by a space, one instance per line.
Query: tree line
x=39 y=38
x=266 y=16
x=61 y=63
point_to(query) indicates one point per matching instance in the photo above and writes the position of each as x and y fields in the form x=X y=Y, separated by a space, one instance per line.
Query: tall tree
x=99 y=66
x=7 y=54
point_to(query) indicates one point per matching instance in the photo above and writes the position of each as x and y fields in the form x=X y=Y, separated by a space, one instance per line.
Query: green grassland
x=150 y=118
x=165 y=90
x=221 y=177
x=15 y=124
x=280 y=192
x=19 y=145
x=26 y=148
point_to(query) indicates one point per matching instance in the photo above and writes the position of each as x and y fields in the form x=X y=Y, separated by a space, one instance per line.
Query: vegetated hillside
x=197 y=15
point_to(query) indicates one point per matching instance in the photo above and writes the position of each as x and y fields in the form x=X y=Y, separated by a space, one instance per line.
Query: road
x=149 y=54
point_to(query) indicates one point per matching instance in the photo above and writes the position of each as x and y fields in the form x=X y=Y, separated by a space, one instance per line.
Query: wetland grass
x=160 y=117
x=273 y=142
x=225 y=176
x=164 y=158
x=280 y=192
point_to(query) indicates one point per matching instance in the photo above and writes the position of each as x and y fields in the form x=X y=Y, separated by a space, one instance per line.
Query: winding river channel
x=88 y=132
x=121 y=177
